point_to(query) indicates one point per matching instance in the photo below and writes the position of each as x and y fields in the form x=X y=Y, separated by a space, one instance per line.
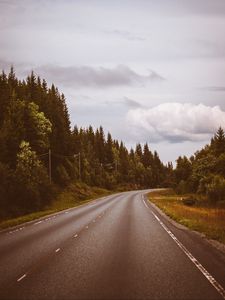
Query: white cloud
x=175 y=122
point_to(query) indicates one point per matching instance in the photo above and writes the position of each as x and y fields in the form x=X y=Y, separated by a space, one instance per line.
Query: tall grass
x=202 y=217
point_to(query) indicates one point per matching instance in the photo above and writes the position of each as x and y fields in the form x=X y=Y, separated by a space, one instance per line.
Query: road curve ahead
x=117 y=247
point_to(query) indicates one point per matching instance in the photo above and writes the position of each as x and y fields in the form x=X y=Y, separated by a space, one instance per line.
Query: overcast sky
x=146 y=70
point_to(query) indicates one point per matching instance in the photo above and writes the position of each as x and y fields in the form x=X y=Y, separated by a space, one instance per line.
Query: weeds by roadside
x=201 y=215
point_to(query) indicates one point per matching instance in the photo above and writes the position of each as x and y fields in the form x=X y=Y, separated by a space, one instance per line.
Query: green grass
x=74 y=195
x=202 y=217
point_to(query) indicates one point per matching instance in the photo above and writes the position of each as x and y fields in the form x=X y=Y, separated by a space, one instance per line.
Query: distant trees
x=204 y=172
x=33 y=119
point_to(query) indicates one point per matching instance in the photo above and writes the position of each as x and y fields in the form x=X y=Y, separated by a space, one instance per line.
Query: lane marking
x=38 y=223
x=207 y=275
x=76 y=235
x=57 y=250
x=87 y=226
x=21 y=278
x=144 y=203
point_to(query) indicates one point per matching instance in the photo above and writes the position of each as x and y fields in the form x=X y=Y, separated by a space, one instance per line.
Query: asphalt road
x=117 y=247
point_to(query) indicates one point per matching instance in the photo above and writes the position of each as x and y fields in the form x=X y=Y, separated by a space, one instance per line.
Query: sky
x=147 y=71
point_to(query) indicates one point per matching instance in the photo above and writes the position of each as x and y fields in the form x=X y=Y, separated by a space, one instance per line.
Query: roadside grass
x=203 y=216
x=74 y=195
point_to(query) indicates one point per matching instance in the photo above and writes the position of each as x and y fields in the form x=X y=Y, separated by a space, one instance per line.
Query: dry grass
x=201 y=217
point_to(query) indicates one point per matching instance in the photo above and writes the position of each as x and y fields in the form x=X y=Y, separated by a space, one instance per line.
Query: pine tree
x=218 y=142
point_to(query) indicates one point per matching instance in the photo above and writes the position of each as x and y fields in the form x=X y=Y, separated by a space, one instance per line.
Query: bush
x=182 y=187
x=190 y=201
x=62 y=176
x=215 y=190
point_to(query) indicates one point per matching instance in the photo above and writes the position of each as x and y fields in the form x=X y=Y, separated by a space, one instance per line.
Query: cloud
x=132 y=103
x=214 y=88
x=126 y=35
x=175 y=122
x=87 y=76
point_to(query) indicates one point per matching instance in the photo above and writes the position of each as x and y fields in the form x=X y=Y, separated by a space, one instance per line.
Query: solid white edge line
x=21 y=278
x=144 y=203
x=39 y=222
x=207 y=275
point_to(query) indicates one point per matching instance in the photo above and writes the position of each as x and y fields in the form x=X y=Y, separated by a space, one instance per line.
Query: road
x=116 y=247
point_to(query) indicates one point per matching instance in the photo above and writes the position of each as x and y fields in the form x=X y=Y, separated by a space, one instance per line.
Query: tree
x=218 y=142
x=183 y=168
x=147 y=157
x=33 y=182
x=109 y=150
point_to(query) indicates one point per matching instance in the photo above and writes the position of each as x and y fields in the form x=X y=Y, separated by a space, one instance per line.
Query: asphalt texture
x=116 y=247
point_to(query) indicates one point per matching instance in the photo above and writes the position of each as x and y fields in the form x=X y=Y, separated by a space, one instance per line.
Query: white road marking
x=144 y=203
x=207 y=275
x=87 y=226
x=21 y=278
x=66 y=212
x=38 y=223
x=57 y=250
x=76 y=235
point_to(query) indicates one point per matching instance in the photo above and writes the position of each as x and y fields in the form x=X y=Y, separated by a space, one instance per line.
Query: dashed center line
x=57 y=250
x=21 y=278
x=76 y=235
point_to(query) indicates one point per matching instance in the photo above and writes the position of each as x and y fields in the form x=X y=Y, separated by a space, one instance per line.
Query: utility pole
x=50 y=165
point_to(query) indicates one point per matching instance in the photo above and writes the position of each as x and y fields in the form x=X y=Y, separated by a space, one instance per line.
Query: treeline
x=40 y=153
x=204 y=172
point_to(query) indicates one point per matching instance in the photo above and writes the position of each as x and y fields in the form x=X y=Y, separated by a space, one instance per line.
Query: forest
x=204 y=172
x=41 y=154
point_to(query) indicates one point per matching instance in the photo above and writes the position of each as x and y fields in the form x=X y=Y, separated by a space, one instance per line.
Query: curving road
x=116 y=247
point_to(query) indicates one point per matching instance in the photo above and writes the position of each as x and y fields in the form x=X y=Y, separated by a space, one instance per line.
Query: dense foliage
x=204 y=173
x=34 y=119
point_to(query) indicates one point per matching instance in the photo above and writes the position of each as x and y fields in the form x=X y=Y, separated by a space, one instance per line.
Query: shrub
x=215 y=190
x=190 y=201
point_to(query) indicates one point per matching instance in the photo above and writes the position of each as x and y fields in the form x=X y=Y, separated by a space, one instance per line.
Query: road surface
x=116 y=247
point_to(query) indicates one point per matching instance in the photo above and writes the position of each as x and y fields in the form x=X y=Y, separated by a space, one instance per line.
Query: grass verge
x=74 y=195
x=202 y=216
